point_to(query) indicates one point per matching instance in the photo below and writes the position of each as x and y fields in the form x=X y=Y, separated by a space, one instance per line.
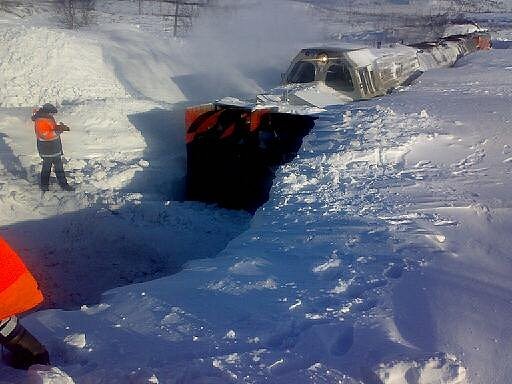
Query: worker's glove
x=62 y=127
x=25 y=349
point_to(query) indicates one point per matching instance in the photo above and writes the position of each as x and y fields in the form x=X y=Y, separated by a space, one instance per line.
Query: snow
x=315 y=96
x=125 y=160
x=437 y=370
x=25 y=83
x=362 y=57
x=40 y=374
x=76 y=340
x=460 y=29
x=381 y=256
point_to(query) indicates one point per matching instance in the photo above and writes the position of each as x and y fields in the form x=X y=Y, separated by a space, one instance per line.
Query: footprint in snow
x=343 y=342
x=394 y=271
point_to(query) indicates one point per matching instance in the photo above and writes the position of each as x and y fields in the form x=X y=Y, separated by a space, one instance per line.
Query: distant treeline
x=176 y=15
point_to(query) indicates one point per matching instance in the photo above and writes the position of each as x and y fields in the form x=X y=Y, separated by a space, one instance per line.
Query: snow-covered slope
x=122 y=90
x=39 y=64
x=381 y=257
x=115 y=88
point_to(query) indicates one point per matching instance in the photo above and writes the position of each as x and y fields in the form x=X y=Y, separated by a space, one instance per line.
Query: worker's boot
x=67 y=187
x=25 y=349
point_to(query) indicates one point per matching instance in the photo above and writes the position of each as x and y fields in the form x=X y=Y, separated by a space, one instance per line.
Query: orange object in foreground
x=18 y=288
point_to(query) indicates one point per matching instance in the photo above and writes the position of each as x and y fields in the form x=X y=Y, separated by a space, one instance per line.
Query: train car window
x=366 y=81
x=302 y=72
x=338 y=77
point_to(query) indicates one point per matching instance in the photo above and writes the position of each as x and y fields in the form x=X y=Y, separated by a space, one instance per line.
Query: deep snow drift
x=381 y=257
x=123 y=91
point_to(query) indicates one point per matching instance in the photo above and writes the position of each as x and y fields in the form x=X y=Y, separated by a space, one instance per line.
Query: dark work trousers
x=56 y=161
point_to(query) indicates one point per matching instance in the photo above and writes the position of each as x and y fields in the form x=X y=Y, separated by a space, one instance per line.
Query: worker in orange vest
x=18 y=293
x=49 y=146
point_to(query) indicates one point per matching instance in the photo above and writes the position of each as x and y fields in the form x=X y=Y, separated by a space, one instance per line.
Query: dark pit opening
x=237 y=171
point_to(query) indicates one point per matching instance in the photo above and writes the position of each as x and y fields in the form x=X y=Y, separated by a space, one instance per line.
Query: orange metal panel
x=208 y=122
x=483 y=42
x=256 y=117
x=192 y=113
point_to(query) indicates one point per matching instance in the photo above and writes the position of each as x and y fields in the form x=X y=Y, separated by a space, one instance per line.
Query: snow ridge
x=47 y=65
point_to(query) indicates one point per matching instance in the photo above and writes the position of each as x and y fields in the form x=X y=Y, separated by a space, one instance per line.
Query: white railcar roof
x=336 y=46
x=362 y=55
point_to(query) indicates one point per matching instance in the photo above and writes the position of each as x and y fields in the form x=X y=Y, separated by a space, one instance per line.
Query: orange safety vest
x=45 y=128
x=18 y=288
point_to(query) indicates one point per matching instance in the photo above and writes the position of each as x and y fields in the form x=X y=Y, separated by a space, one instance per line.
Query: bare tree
x=87 y=8
x=8 y=5
x=477 y=5
x=67 y=11
x=76 y=13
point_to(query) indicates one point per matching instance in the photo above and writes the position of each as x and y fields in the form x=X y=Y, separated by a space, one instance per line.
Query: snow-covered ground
x=125 y=153
x=381 y=257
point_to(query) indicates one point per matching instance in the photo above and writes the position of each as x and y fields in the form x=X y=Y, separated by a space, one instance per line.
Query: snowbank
x=359 y=268
x=122 y=91
x=382 y=256
x=43 y=65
